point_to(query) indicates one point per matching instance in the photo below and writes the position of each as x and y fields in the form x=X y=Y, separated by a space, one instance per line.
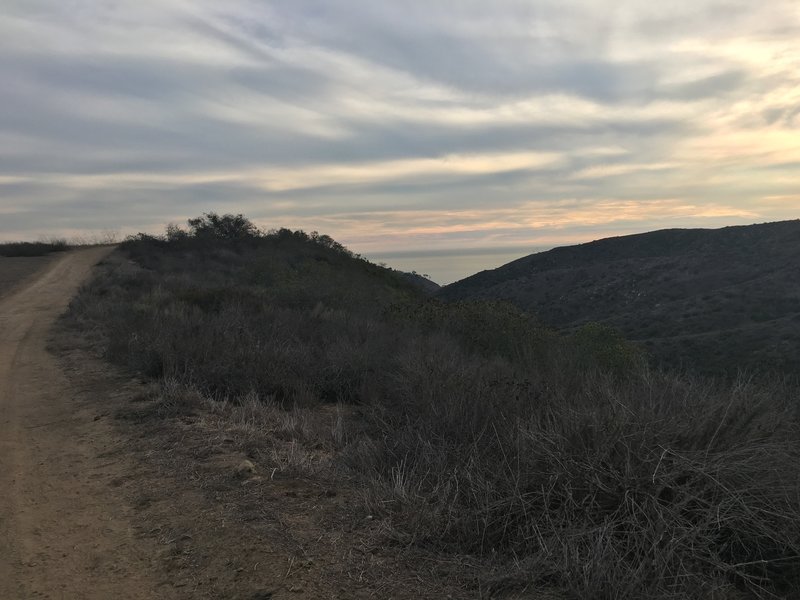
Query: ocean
x=445 y=267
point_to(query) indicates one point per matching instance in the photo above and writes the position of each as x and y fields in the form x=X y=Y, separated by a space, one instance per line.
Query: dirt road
x=64 y=531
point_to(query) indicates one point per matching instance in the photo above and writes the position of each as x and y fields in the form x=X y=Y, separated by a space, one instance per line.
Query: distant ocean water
x=447 y=267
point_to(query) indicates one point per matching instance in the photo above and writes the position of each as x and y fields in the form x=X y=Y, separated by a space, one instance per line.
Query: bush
x=599 y=346
x=224 y=227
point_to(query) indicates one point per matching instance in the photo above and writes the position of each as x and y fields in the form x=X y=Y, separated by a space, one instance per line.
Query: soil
x=104 y=495
x=64 y=532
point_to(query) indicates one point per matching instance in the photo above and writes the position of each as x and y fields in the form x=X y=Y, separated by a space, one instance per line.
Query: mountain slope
x=713 y=299
x=420 y=282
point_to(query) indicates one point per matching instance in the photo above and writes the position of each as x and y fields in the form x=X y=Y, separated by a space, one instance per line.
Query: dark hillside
x=223 y=311
x=714 y=299
x=28 y=249
x=421 y=282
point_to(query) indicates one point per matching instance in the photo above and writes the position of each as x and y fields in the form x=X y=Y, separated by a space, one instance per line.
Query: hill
x=465 y=446
x=421 y=282
x=714 y=299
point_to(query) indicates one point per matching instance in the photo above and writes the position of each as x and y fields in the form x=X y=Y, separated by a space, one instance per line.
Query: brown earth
x=63 y=532
x=105 y=493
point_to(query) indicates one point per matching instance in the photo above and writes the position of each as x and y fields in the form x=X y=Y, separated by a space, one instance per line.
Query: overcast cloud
x=395 y=125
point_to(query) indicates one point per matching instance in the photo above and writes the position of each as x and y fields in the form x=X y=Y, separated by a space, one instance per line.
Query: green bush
x=599 y=346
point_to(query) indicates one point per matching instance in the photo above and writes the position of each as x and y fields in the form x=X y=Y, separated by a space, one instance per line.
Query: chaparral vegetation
x=551 y=460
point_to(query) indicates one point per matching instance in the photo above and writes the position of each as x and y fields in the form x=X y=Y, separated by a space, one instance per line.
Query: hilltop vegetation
x=541 y=460
x=715 y=301
x=25 y=249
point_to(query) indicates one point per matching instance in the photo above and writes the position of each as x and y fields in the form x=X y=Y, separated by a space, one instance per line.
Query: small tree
x=226 y=227
x=175 y=233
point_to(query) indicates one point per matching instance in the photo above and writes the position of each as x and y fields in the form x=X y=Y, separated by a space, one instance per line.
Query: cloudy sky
x=429 y=127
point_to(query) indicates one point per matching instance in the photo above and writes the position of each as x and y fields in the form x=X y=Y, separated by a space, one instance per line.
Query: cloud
x=456 y=124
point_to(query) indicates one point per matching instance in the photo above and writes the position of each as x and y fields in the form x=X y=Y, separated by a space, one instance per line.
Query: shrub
x=599 y=346
x=224 y=227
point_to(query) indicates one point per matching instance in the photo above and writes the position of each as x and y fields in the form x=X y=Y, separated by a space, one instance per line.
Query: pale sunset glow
x=400 y=127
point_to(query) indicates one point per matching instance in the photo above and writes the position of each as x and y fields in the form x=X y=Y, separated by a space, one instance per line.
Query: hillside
x=714 y=299
x=421 y=282
x=461 y=449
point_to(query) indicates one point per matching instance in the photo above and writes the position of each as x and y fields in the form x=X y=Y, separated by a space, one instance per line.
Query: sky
x=413 y=129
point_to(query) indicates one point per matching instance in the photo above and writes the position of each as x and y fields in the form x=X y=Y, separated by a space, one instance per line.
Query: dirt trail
x=65 y=531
